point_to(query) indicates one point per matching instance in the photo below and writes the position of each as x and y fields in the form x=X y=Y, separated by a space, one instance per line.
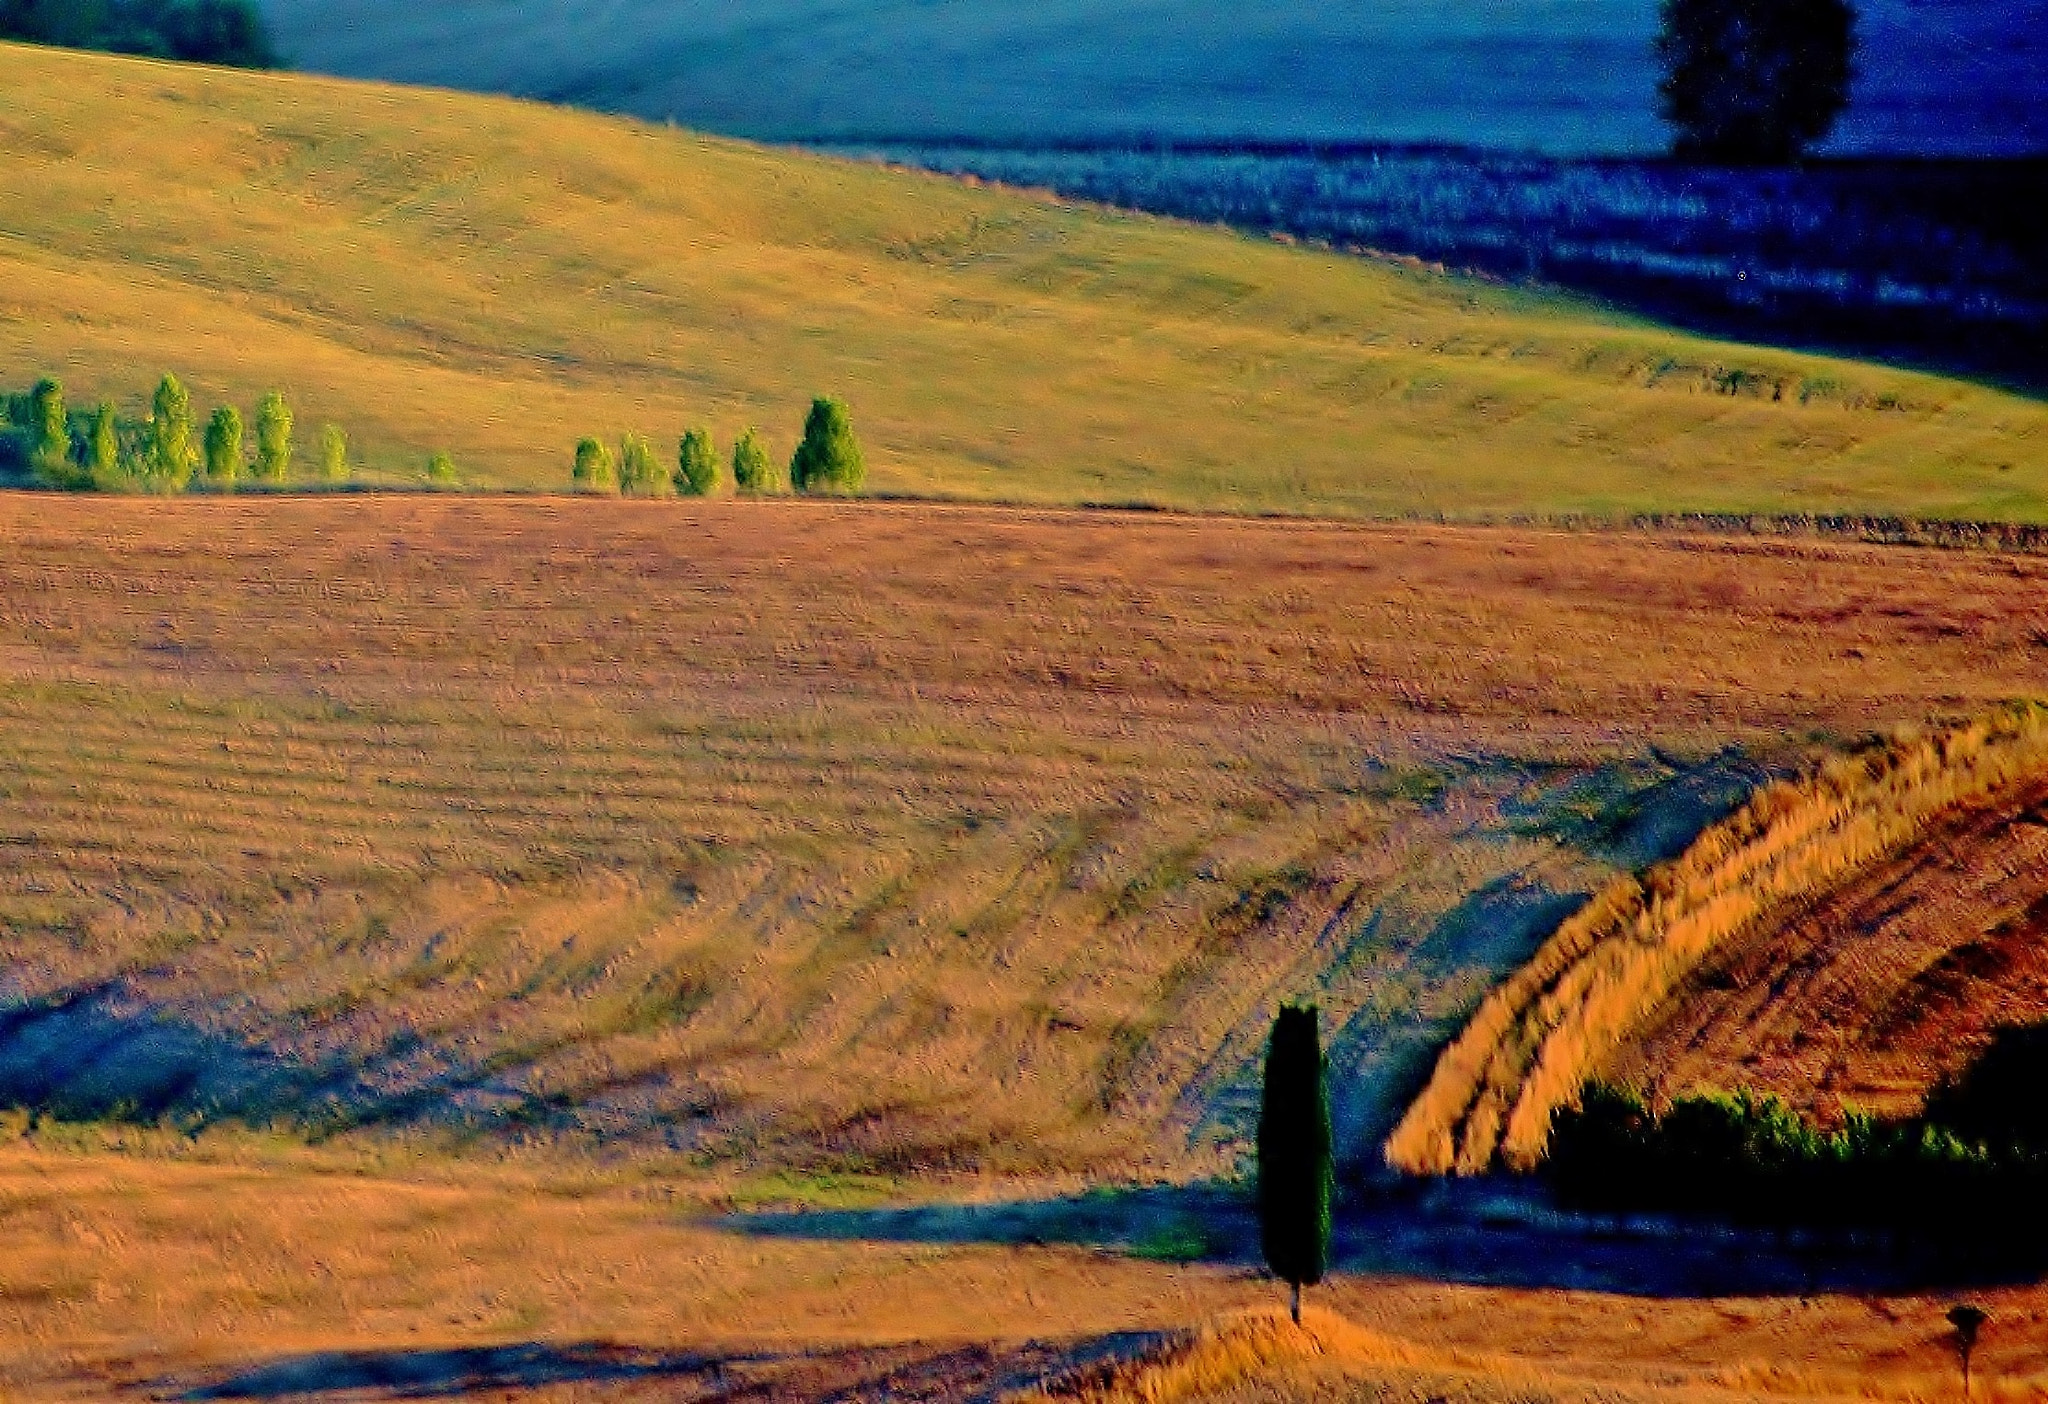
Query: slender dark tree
x=1968 y=1321
x=1297 y=1168
x=49 y=450
x=1754 y=81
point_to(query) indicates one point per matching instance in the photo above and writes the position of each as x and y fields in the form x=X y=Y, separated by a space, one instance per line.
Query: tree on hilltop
x=639 y=473
x=273 y=437
x=593 y=471
x=49 y=427
x=333 y=454
x=170 y=455
x=1754 y=81
x=1296 y=1161
x=696 y=464
x=224 y=447
x=103 y=467
x=829 y=458
x=752 y=471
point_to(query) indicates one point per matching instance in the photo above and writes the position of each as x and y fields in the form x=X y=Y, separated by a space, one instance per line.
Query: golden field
x=554 y=878
x=496 y=280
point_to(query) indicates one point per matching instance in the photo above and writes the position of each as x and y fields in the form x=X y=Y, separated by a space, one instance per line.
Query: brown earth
x=1874 y=993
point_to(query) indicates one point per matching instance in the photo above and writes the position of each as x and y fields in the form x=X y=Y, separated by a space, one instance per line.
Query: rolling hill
x=1958 y=77
x=495 y=279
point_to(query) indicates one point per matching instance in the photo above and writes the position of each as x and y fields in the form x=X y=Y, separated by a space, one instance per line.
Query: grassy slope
x=442 y=271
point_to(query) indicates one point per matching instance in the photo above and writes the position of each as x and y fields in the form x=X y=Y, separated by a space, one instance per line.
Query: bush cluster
x=827 y=460
x=1754 y=1159
x=229 y=32
x=164 y=453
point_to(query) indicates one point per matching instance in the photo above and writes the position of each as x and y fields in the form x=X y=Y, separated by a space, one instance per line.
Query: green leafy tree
x=696 y=464
x=49 y=428
x=273 y=437
x=333 y=454
x=639 y=471
x=1754 y=81
x=752 y=471
x=829 y=458
x=170 y=455
x=103 y=465
x=224 y=447
x=1297 y=1165
x=593 y=471
x=441 y=470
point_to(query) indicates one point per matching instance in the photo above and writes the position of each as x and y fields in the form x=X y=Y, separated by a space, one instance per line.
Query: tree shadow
x=1497 y=1231
x=979 y=1374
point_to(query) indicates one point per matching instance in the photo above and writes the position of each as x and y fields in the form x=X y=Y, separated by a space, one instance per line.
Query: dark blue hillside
x=1940 y=77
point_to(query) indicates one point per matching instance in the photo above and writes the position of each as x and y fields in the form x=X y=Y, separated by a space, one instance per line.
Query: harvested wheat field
x=1874 y=994
x=613 y=913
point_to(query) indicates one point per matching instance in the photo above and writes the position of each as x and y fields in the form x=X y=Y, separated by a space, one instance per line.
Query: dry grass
x=141 y=1277
x=438 y=271
x=1869 y=998
x=867 y=837
x=1610 y=968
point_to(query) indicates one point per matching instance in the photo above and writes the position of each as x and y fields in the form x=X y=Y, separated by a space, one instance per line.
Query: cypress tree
x=224 y=447
x=829 y=459
x=273 y=437
x=751 y=471
x=333 y=454
x=49 y=449
x=593 y=471
x=103 y=449
x=638 y=472
x=1297 y=1168
x=696 y=464
x=171 y=457
x=441 y=471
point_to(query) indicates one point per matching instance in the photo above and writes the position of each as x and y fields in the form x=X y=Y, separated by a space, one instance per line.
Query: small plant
x=639 y=474
x=1968 y=1321
x=593 y=471
x=273 y=437
x=752 y=471
x=829 y=459
x=441 y=470
x=1297 y=1169
x=696 y=464
x=224 y=447
x=170 y=456
x=333 y=454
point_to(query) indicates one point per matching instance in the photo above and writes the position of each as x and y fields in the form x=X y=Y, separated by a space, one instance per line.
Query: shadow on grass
x=1497 y=1231
x=907 y=1372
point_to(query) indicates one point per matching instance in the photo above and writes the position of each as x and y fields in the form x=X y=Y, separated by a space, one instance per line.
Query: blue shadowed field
x=1939 y=77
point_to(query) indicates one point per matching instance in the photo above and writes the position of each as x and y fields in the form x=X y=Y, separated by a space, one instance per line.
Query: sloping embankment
x=1606 y=970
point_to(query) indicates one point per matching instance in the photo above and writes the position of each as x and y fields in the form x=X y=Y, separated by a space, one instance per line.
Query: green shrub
x=593 y=471
x=639 y=473
x=169 y=455
x=103 y=459
x=49 y=431
x=696 y=464
x=829 y=458
x=273 y=437
x=752 y=471
x=224 y=447
x=441 y=470
x=333 y=454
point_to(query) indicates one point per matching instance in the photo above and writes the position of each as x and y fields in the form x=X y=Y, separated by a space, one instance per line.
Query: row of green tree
x=230 y=32
x=169 y=452
x=1970 y=1170
x=827 y=460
